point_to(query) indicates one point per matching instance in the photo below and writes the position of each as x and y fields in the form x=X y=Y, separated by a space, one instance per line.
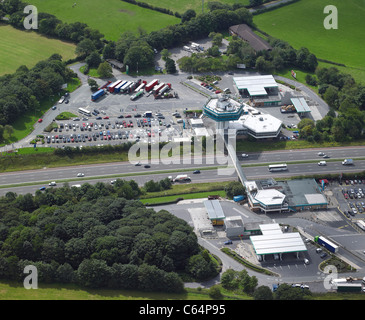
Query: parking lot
x=115 y=118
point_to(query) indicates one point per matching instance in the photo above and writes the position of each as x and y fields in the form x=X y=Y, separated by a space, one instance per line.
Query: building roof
x=244 y=32
x=300 y=105
x=302 y=192
x=270 y=197
x=272 y=228
x=255 y=85
x=278 y=243
x=214 y=209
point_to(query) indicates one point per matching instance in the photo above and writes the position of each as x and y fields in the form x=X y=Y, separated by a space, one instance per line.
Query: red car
x=346 y=196
x=40 y=120
x=106 y=117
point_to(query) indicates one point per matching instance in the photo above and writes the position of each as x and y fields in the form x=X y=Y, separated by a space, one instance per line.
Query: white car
x=244 y=155
x=53 y=183
x=322 y=163
x=80 y=174
x=61 y=100
x=113 y=181
x=321 y=154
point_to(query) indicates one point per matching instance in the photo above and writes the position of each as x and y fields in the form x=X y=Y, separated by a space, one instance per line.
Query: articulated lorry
x=330 y=246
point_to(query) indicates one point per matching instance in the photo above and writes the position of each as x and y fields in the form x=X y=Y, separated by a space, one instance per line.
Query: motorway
x=108 y=171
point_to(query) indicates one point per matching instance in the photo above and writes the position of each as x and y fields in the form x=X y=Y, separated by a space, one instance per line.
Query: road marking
x=241 y=213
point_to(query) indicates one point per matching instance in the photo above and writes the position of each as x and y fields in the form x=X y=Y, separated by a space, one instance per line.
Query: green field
x=27 y=48
x=111 y=18
x=301 y=25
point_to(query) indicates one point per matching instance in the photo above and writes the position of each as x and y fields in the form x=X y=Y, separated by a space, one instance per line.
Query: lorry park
x=132 y=109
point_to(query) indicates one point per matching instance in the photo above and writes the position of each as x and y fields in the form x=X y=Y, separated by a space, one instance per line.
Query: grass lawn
x=242 y=145
x=301 y=25
x=27 y=48
x=111 y=18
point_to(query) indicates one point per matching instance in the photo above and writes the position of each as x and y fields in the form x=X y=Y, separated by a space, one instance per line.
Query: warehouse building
x=262 y=90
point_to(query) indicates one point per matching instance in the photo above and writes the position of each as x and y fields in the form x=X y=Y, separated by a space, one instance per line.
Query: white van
x=322 y=163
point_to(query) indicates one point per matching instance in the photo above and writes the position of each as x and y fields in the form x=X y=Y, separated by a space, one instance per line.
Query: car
x=53 y=183
x=321 y=154
x=54 y=107
x=42 y=188
x=244 y=155
x=346 y=196
x=106 y=117
x=40 y=120
x=99 y=118
x=61 y=100
x=326 y=156
x=80 y=174
x=113 y=181
x=322 y=163
x=147 y=166
x=67 y=101
x=323 y=255
x=196 y=171
x=318 y=250
x=228 y=242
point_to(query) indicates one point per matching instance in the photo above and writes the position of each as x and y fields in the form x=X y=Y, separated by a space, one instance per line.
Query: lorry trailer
x=96 y=95
x=347 y=287
x=150 y=85
x=113 y=85
x=330 y=246
x=119 y=85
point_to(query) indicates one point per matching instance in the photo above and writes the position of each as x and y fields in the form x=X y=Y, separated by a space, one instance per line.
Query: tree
x=93 y=59
x=263 y=293
x=215 y=292
x=85 y=47
x=234 y=188
x=170 y=66
x=255 y=3
x=105 y=70
x=188 y=15
x=229 y=279
x=94 y=273
x=92 y=84
x=165 y=54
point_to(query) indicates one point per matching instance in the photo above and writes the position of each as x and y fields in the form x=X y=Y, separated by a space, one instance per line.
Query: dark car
x=196 y=171
x=228 y=242
x=147 y=166
x=323 y=255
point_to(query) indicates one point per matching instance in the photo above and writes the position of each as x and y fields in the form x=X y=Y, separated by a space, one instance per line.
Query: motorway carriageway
x=106 y=173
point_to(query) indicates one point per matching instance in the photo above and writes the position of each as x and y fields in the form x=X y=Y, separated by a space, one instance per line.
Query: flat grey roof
x=214 y=209
x=300 y=105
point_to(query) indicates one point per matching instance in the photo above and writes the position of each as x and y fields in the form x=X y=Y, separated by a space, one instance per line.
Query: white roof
x=201 y=132
x=263 y=123
x=278 y=243
x=255 y=85
x=272 y=228
x=270 y=197
x=316 y=198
